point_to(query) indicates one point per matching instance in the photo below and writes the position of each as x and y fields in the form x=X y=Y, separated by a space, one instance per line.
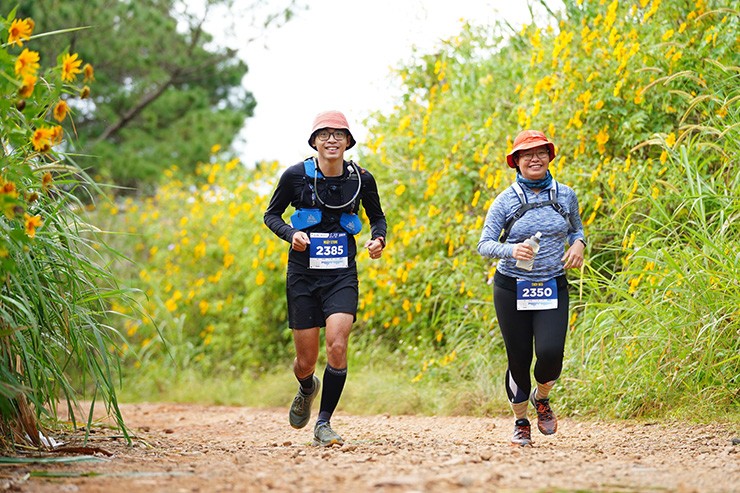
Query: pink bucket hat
x=527 y=140
x=330 y=119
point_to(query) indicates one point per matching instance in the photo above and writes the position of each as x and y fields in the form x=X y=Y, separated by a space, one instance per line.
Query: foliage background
x=164 y=87
x=56 y=343
x=641 y=97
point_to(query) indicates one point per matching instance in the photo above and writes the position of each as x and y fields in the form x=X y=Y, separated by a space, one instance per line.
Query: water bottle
x=534 y=242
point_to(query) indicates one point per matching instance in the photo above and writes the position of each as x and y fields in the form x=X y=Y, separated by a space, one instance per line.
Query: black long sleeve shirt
x=295 y=188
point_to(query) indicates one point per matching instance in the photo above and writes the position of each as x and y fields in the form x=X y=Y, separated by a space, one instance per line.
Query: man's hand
x=300 y=241
x=375 y=248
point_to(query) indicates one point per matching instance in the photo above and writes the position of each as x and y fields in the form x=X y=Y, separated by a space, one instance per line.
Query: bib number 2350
x=328 y=251
x=536 y=295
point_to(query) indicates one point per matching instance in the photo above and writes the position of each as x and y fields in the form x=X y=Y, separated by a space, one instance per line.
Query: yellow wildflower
x=31 y=223
x=70 y=67
x=89 y=73
x=27 y=63
x=29 y=83
x=41 y=139
x=60 y=110
x=171 y=305
x=618 y=88
x=601 y=139
x=200 y=250
x=56 y=132
x=20 y=30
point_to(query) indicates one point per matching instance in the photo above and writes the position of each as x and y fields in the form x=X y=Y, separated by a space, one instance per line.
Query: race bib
x=536 y=295
x=328 y=251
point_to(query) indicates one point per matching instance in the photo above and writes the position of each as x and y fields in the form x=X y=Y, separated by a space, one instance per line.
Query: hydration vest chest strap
x=311 y=168
x=526 y=206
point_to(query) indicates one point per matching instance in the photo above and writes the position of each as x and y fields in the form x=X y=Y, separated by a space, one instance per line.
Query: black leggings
x=547 y=328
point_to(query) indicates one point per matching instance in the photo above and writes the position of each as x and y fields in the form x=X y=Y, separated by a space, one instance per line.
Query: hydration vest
x=305 y=218
x=525 y=206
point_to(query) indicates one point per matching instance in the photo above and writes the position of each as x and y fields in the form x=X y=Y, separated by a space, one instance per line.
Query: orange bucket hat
x=527 y=140
x=330 y=119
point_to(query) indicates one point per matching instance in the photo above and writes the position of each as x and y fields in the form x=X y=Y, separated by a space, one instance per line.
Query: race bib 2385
x=328 y=251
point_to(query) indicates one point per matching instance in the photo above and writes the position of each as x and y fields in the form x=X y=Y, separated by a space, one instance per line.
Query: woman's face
x=533 y=163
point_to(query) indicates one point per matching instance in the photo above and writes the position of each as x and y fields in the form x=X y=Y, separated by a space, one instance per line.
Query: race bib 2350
x=536 y=295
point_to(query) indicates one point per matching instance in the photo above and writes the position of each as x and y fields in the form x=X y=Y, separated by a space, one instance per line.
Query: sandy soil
x=190 y=448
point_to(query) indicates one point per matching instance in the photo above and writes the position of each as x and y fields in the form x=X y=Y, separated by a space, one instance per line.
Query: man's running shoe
x=547 y=423
x=522 y=433
x=324 y=436
x=300 y=410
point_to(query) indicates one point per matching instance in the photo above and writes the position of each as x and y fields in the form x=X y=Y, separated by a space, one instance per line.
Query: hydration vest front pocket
x=305 y=218
x=351 y=223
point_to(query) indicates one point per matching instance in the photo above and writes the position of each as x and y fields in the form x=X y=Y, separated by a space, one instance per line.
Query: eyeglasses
x=541 y=154
x=323 y=135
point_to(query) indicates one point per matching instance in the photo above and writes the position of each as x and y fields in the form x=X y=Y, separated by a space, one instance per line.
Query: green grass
x=372 y=388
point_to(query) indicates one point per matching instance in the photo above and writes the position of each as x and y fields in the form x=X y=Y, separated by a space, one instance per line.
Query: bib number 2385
x=536 y=295
x=328 y=251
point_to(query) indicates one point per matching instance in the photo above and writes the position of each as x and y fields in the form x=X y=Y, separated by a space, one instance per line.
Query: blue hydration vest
x=305 y=218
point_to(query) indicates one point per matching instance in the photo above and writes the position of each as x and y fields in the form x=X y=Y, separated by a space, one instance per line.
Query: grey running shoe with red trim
x=547 y=422
x=300 y=410
x=522 y=433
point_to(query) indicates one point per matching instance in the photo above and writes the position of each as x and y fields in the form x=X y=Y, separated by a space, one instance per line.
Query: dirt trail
x=191 y=448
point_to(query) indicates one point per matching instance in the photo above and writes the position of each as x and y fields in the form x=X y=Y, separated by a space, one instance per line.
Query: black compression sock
x=307 y=384
x=334 y=379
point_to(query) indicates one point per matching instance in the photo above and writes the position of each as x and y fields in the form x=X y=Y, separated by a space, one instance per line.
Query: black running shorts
x=311 y=299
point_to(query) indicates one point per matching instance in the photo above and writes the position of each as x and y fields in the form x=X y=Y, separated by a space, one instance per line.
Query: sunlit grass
x=370 y=389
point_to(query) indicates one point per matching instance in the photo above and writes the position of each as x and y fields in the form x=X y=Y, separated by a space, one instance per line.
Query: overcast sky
x=338 y=55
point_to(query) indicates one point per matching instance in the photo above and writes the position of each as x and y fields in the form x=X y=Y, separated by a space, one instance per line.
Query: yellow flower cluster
x=190 y=237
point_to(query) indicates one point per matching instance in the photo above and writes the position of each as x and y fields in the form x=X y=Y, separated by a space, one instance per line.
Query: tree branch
x=133 y=112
